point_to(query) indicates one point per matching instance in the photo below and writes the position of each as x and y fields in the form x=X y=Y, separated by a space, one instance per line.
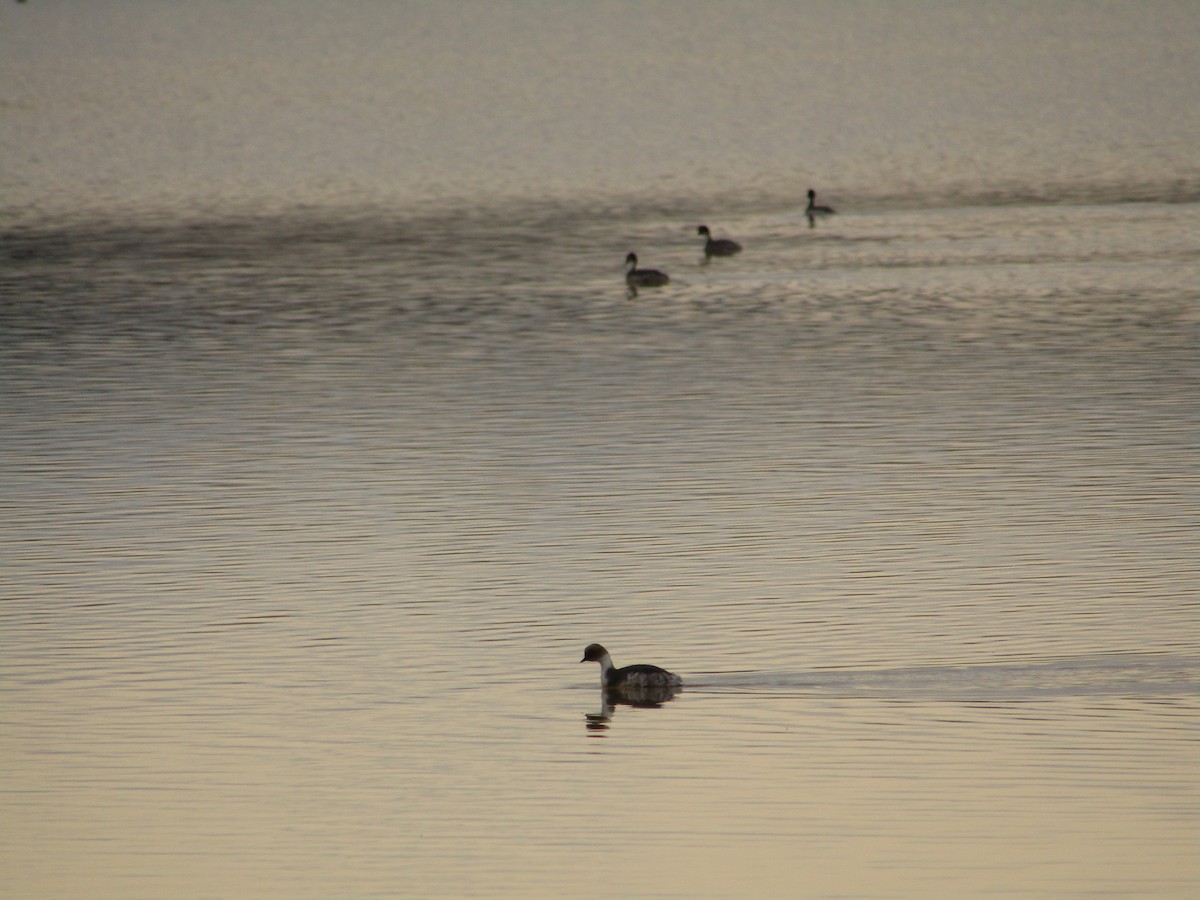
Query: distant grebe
x=636 y=277
x=719 y=247
x=628 y=676
x=813 y=209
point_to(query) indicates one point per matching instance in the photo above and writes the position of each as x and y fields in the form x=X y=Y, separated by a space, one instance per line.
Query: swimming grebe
x=628 y=676
x=636 y=277
x=813 y=209
x=719 y=247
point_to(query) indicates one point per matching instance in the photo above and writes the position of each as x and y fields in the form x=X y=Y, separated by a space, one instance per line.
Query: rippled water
x=310 y=511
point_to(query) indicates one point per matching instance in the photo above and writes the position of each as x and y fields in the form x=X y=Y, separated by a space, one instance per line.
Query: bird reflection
x=640 y=697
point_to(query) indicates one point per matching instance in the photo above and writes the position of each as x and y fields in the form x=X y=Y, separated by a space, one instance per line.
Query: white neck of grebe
x=606 y=666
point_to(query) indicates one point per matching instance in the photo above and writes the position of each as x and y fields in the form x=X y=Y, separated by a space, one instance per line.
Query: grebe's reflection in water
x=650 y=697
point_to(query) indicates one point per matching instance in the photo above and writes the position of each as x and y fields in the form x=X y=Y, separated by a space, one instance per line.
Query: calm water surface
x=316 y=485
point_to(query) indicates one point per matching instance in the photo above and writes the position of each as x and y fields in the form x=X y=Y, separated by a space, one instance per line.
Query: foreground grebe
x=636 y=277
x=813 y=209
x=629 y=676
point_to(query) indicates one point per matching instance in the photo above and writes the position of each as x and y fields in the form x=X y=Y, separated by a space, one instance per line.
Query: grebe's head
x=631 y=260
x=703 y=229
x=811 y=194
x=594 y=652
